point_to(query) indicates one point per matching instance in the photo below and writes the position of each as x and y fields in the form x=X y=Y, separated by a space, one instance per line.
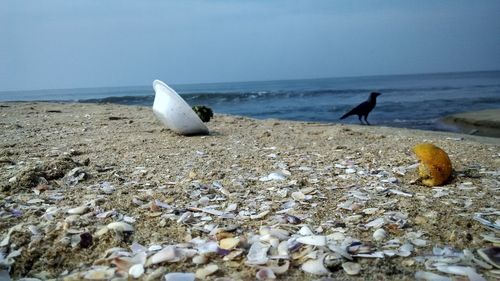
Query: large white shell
x=179 y=276
x=315 y=266
x=175 y=113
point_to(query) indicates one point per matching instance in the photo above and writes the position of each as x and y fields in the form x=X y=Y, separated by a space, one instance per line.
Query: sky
x=55 y=44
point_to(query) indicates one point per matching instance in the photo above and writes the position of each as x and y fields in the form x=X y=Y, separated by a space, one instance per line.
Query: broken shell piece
x=257 y=254
x=429 y=276
x=169 y=254
x=315 y=266
x=435 y=165
x=77 y=211
x=120 y=227
x=229 y=243
x=265 y=274
x=379 y=234
x=316 y=240
x=136 y=270
x=175 y=113
x=179 y=276
x=351 y=268
x=210 y=269
x=491 y=255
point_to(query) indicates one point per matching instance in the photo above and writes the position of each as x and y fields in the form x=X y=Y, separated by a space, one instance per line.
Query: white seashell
x=350 y=171
x=429 y=276
x=405 y=250
x=120 y=227
x=315 y=266
x=174 y=112
x=351 y=268
x=229 y=243
x=101 y=232
x=231 y=256
x=77 y=211
x=316 y=240
x=169 y=253
x=379 y=234
x=298 y=196
x=200 y=259
x=204 y=200
x=305 y=231
x=154 y=248
x=257 y=254
x=265 y=274
x=179 y=276
x=377 y=223
x=370 y=211
x=260 y=215
x=210 y=269
x=231 y=207
x=276 y=176
x=136 y=270
x=461 y=270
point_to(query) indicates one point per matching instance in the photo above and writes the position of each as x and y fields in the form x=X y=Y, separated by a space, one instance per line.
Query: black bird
x=364 y=108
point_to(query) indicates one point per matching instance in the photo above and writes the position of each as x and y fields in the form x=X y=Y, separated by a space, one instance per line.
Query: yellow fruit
x=435 y=165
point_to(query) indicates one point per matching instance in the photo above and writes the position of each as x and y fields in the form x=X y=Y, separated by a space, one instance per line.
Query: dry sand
x=341 y=177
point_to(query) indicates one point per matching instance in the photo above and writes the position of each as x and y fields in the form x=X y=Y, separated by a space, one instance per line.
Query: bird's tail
x=346 y=115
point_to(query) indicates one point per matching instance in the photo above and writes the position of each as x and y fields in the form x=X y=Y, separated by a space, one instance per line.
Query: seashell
x=429 y=276
x=379 y=234
x=316 y=240
x=174 y=112
x=77 y=211
x=200 y=259
x=122 y=264
x=179 y=276
x=210 y=269
x=305 y=231
x=377 y=223
x=370 y=211
x=101 y=231
x=435 y=165
x=315 y=266
x=260 y=215
x=257 y=254
x=232 y=255
x=99 y=274
x=169 y=254
x=136 y=270
x=229 y=243
x=298 y=196
x=120 y=227
x=351 y=268
x=491 y=255
x=470 y=272
x=265 y=274
x=405 y=250
x=276 y=176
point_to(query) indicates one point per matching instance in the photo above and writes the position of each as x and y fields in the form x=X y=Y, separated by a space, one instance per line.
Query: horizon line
x=254 y=81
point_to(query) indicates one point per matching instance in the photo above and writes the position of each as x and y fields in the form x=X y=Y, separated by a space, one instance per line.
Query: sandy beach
x=99 y=192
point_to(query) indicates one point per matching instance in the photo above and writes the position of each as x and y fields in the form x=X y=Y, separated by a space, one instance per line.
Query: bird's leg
x=366 y=120
x=360 y=121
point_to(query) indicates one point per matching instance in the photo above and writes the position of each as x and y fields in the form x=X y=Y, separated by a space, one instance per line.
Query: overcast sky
x=94 y=43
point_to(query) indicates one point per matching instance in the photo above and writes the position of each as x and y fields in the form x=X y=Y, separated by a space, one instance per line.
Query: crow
x=364 y=108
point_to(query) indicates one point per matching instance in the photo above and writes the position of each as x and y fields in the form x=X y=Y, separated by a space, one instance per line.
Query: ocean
x=409 y=101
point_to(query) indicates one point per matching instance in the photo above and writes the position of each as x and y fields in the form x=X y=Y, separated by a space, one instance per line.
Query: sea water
x=409 y=101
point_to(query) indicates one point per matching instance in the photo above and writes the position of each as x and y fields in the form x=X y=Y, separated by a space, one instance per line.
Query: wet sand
x=481 y=123
x=254 y=180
